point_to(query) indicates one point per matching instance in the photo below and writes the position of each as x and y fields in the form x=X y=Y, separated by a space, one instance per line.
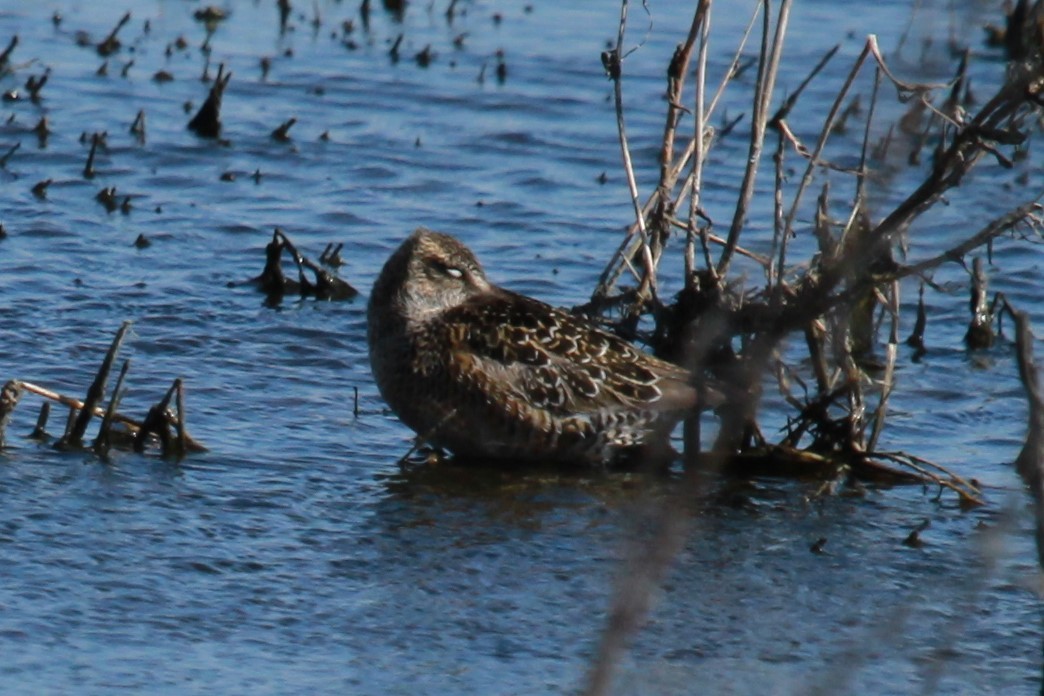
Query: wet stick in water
x=282 y=133
x=207 y=121
x=980 y=328
x=96 y=392
x=7 y=155
x=274 y=283
x=88 y=168
x=5 y=56
x=916 y=337
x=110 y=44
x=102 y=441
x=40 y=429
x=75 y=405
x=159 y=422
x=137 y=128
x=35 y=84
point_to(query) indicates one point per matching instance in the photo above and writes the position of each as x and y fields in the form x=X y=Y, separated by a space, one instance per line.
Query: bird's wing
x=554 y=361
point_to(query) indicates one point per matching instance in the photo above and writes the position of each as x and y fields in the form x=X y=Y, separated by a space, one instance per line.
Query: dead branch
x=75 y=405
x=612 y=61
x=697 y=146
x=768 y=67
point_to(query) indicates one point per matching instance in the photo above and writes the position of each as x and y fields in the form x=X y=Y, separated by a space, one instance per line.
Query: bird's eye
x=445 y=269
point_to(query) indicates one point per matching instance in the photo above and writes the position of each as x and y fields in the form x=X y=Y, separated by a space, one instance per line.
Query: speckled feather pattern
x=486 y=372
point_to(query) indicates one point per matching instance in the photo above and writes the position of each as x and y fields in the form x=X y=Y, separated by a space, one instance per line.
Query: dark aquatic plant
x=163 y=425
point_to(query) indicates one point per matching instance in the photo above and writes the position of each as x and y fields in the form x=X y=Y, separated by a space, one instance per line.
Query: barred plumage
x=486 y=372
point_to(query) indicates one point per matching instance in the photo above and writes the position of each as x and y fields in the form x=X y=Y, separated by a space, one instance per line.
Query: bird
x=491 y=374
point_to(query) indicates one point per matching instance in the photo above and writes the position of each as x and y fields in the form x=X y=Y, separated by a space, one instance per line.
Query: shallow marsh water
x=295 y=556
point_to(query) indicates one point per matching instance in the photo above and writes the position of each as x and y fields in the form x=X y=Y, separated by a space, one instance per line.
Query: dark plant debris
x=207 y=121
x=163 y=426
x=274 y=283
x=110 y=44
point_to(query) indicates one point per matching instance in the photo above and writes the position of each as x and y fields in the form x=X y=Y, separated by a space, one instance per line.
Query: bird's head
x=428 y=274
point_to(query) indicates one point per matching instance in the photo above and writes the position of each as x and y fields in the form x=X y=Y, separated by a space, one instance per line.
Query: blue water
x=294 y=556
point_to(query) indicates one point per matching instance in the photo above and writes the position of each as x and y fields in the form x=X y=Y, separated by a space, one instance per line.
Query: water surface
x=295 y=556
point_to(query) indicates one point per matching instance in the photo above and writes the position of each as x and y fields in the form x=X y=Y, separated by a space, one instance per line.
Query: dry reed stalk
x=621 y=259
x=613 y=62
x=820 y=301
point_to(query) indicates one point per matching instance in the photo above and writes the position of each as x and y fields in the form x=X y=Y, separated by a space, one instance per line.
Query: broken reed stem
x=70 y=419
x=699 y=154
x=179 y=424
x=784 y=232
x=614 y=64
x=116 y=29
x=824 y=134
x=768 y=66
x=102 y=440
x=861 y=175
x=76 y=405
x=791 y=100
x=157 y=421
x=96 y=392
x=779 y=235
x=40 y=430
x=676 y=72
x=892 y=350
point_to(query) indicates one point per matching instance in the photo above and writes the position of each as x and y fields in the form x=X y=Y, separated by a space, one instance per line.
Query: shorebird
x=489 y=373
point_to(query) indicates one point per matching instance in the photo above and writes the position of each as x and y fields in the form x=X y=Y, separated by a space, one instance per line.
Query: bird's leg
x=422 y=439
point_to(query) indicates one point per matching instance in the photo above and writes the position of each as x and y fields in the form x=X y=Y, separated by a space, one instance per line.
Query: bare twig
x=889 y=373
x=612 y=60
x=768 y=66
x=621 y=259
